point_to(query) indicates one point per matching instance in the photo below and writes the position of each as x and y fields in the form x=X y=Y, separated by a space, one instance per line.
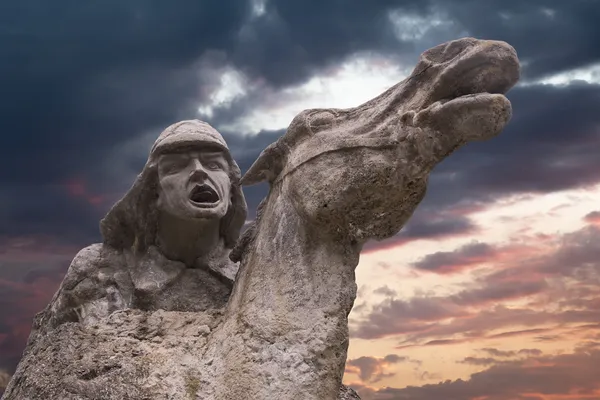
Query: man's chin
x=207 y=210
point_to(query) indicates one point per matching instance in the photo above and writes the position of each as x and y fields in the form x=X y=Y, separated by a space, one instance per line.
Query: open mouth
x=490 y=67
x=203 y=195
x=474 y=87
x=491 y=91
x=475 y=73
x=466 y=98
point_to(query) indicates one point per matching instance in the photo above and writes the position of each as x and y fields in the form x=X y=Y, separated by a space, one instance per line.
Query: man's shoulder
x=91 y=272
x=89 y=260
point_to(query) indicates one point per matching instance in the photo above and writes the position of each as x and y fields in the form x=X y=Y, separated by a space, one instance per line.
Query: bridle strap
x=321 y=144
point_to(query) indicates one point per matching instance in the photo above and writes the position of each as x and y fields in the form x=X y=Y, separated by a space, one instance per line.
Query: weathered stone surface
x=132 y=354
x=347 y=393
x=337 y=178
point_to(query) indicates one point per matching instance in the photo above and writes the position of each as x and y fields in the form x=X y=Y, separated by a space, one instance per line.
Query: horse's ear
x=267 y=166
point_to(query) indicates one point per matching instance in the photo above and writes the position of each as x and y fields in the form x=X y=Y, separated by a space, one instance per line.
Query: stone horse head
x=360 y=172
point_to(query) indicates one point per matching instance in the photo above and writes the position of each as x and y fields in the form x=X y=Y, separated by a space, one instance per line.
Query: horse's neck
x=291 y=277
x=286 y=324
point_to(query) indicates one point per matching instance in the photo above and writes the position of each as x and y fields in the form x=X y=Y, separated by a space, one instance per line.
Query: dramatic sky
x=490 y=292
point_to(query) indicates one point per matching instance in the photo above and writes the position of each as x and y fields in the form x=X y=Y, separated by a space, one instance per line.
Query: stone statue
x=337 y=179
x=167 y=241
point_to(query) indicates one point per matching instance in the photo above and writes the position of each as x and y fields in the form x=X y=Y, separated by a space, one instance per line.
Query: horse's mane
x=249 y=235
x=268 y=166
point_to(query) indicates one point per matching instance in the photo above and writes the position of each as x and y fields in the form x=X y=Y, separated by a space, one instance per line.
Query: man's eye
x=213 y=165
x=174 y=166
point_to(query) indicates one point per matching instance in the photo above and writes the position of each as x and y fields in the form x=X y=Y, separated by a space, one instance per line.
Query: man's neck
x=195 y=242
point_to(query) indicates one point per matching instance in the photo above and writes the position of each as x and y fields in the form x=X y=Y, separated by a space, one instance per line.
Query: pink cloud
x=558 y=283
x=32 y=269
x=78 y=188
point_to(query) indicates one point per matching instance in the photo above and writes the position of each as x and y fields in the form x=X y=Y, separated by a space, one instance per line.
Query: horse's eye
x=320 y=120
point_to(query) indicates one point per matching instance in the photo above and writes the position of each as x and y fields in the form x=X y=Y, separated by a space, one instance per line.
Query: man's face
x=194 y=183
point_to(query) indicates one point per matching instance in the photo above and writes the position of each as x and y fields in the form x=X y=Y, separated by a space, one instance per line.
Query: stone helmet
x=132 y=222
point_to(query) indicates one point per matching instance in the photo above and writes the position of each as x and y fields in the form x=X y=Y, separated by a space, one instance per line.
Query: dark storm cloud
x=48 y=210
x=292 y=40
x=76 y=76
x=550 y=35
x=78 y=80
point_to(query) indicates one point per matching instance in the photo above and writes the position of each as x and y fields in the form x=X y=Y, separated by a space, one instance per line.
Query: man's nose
x=198 y=170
